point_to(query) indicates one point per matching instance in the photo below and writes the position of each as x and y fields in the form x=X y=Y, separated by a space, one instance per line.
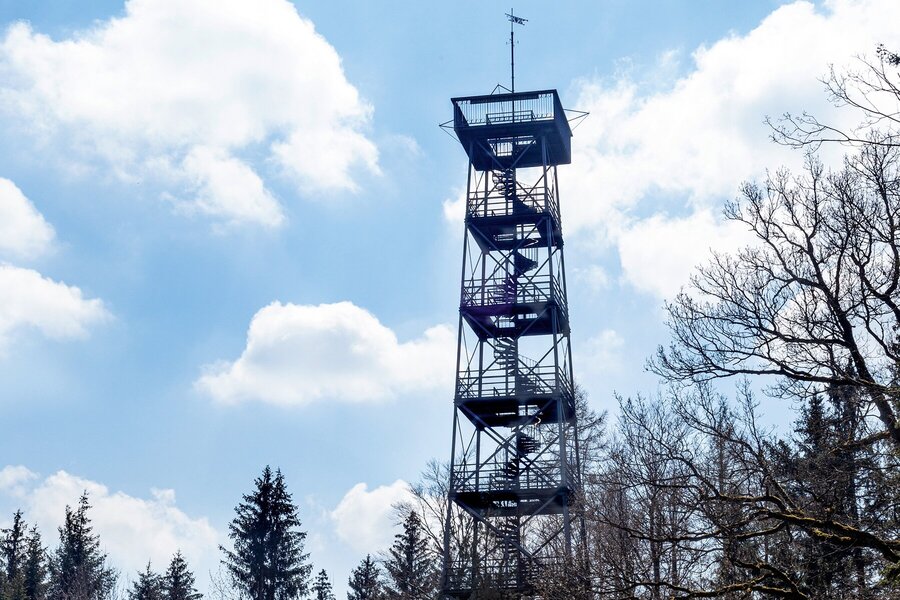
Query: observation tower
x=515 y=469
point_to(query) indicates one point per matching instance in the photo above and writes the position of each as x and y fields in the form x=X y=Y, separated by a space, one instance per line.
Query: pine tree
x=147 y=587
x=78 y=569
x=178 y=582
x=321 y=587
x=365 y=581
x=812 y=471
x=832 y=473
x=267 y=562
x=12 y=548
x=35 y=567
x=410 y=568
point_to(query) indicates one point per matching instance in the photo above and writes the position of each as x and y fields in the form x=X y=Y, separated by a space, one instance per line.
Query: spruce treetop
x=178 y=581
x=365 y=581
x=12 y=547
x=148 y=586
x=409 y=563
x=321 y=587
x=78 y=569
x=35 y=568
x=267 y=561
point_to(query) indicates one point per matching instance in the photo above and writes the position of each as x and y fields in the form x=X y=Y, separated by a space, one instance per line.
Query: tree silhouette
x=321 y=587
x=365 y=581
x=147 y=587
x=78 y=569
x=267 y=561
x=13 y=550
x=34 y=570
x=178 y=581
x=409 y=564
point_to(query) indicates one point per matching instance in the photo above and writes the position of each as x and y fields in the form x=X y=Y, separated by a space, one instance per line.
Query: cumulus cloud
x=24 y=233
x=654 y=159
x=14 y=479
x=455 y=207
x=659 y=253
x=297 y=354
x=119 y=519
x=603 y=351
x=594 y=277
x=363 y=517
x=184 y=91
x=29 y=300
x=229 y=188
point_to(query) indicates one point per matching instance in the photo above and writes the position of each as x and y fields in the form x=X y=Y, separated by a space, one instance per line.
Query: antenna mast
x=513 y=21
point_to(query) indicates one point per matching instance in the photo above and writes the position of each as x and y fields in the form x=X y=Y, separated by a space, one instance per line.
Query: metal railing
x=495 y=203
x=505 y=109
x=498 y=382
x=495 y=477
x=506 y=147
x=504 y=290
x=516 y=116
x=502 y=571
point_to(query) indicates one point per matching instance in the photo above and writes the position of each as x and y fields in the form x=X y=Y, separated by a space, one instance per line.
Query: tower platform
x=515 y=319
x=504 y=131
x=511 y=503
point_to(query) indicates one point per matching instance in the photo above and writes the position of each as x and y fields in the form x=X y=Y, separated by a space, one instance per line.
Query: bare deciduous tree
x=815 y=301
x=872 y=90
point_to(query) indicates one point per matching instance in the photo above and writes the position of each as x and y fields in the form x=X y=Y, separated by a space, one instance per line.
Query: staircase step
x=522 y=263
x=525 y=444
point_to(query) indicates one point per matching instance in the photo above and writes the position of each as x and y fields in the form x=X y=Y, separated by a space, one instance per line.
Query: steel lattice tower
x=515 y=461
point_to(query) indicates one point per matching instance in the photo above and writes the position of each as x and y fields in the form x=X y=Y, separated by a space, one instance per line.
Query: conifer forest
x=685 y=490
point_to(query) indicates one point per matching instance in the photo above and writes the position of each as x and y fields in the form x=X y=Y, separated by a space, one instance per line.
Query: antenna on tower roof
x=513 y=21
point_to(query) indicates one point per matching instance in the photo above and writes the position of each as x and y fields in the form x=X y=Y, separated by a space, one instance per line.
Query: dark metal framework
x=515 y=460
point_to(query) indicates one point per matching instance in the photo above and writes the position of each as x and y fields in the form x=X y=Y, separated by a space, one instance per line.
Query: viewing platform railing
x=496 y=382
x=502 y=291
x=495 y=203
x=505 y=109
x=495 y=477
x=501 y=570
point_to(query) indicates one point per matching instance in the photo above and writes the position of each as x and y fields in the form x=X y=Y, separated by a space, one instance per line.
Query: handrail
x=503 y=290
x=494 y=476
x=517 y=116
x=505 y=109
x=495 y=203
x=497 y=382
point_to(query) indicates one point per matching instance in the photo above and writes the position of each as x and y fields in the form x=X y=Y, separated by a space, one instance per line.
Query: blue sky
x=171 y=172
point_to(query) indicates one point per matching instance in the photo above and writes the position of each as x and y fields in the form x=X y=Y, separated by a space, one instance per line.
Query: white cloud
x=363 y=518
x=181 y=90
x=229 y=188
x=29 y=300
x=405 y=144
x=131 y=529
x=594 y=277
x=682 y=149
x=602 y=352
x=23 y=231
x=298 y=354
x=15 y=478
x=659 y=253
x=455 y=207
